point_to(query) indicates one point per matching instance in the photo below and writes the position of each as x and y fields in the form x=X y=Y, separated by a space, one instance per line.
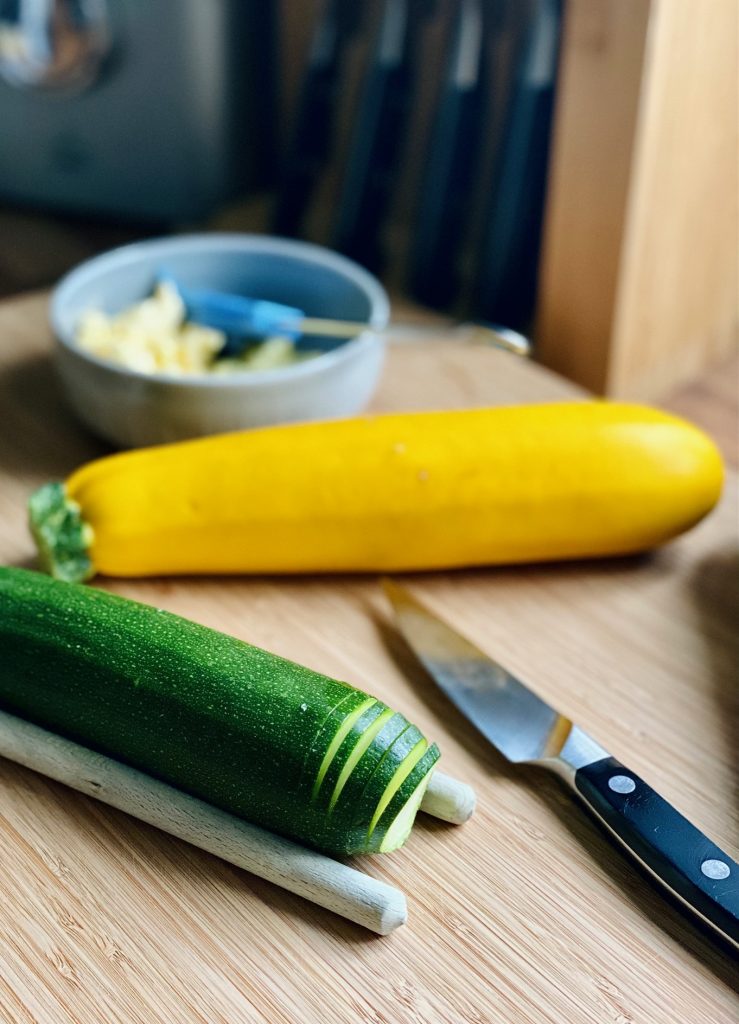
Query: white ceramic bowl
x=131 y=408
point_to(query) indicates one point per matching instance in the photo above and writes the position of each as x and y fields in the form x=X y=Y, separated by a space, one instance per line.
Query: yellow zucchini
x=389 y=492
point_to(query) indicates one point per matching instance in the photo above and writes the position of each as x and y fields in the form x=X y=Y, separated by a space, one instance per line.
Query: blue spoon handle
x=237 y=314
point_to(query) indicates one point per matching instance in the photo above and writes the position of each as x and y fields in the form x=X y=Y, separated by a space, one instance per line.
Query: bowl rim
x=128 y=254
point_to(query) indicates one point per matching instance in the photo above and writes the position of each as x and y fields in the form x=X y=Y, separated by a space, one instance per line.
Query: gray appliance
x=148 y=109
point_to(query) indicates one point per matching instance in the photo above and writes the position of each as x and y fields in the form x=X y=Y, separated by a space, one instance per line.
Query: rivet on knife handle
x=674 y=851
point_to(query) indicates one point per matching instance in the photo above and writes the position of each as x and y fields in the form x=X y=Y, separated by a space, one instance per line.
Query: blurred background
x=567 y=168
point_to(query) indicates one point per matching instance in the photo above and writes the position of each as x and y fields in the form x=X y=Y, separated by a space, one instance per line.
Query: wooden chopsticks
x=337 y=887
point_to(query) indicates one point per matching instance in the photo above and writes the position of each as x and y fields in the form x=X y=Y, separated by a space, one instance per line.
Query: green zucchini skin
x=210 y=714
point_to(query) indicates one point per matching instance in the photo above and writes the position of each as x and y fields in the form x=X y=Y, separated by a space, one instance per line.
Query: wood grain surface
x=525 y=914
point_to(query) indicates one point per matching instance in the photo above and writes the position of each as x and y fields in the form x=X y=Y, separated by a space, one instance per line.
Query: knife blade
x=525 y=729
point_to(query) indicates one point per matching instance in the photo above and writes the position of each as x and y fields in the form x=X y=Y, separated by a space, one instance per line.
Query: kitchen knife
x=380 y=131
x=451 y=162
x=525 y=729
x=310 y=146
x=506 y=288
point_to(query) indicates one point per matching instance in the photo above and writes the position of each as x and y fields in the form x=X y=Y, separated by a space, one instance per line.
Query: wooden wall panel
x=677 y=301
x=596 y=113
x=639 y=264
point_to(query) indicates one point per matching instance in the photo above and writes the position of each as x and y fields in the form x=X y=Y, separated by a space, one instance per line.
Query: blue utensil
x=237 y=314
x=245 y=319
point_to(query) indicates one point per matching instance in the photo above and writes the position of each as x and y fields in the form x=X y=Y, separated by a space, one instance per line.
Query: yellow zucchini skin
x=402 y=492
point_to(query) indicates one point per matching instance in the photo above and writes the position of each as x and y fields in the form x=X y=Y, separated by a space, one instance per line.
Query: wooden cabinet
x=639 y=268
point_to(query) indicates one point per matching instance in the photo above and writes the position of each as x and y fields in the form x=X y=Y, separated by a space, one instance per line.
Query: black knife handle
x=676 y=852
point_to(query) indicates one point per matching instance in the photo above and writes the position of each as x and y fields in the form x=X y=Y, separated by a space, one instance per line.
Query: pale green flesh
x=404 y=770
x=357 y=753
x=338 y=739
x=401 y=827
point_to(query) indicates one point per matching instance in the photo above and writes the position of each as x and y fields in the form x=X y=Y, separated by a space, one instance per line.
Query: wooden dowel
x=448 y=799
x=335 y=886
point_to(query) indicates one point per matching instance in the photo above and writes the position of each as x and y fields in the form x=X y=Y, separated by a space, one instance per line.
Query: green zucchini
x=287 y=748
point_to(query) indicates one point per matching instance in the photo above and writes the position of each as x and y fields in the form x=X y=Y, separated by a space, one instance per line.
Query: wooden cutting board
x=525 y=914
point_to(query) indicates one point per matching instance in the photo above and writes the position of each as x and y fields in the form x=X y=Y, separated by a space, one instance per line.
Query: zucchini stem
x=62 y=536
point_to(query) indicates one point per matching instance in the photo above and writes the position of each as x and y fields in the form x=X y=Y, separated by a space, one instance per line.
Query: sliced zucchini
x=230 y=723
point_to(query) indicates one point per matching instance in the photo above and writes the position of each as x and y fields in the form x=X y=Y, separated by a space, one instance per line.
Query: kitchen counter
x=525 y=914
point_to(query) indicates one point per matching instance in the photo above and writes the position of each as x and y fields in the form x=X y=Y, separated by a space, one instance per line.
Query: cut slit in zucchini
x=399 y=829
x=330 y=722
x=336 y=742
x=230 y=723
x=359 y=748
x=391 y=762
x=399 y=777
x=394 y=826
x=352 y=792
